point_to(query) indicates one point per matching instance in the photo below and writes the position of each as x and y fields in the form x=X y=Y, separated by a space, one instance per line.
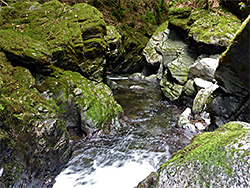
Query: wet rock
x=140 y=77
x=150 y=181
x=231 y=100
x=170 y=90
x=152 y=51
x=176 y=75
x=179 y=68
x=223 y=154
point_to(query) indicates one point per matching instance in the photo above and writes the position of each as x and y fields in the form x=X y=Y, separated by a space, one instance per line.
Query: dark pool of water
x=148 y=139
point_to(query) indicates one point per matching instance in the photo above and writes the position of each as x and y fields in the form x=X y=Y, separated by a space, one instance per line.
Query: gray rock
x=184 y=122
x=179 y=68
x=189 y=89
x=200 y=83
x=171 y=91
x=217 y=159
x=203 y=68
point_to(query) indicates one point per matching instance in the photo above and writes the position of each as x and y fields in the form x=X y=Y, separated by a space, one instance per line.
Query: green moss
x=68 y=34
x=210 y=148
x=96 y=97
x=209 y=26
x=23 y=46
x=22 y=108
x=161 y=28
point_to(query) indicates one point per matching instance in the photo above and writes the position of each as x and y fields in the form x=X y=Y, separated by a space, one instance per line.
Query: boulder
x=152 y=52
x=223 y=154
x=179 y=68
x=213 y=159
x=212 y=30
x=231 y=100
x=204 y=68
x=72 y=38
x=176 y=75
x=84 y=105
x=34 y=142
x=171 y=91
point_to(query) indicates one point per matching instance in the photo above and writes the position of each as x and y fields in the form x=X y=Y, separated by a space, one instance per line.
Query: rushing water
x=147 y=140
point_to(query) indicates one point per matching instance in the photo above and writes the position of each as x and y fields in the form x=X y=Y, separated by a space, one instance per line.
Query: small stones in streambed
x=140 y=77
x=191 y=126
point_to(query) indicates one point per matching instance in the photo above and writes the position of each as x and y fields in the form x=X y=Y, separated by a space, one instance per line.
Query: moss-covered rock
x=72 y=37
x=171 y=90
x=211 y=28
x=33 y=140
x=212 y=159
x=151 y=52
x=83 y=103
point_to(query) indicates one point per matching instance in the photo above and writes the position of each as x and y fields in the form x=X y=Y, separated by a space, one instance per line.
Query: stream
x=147 y=139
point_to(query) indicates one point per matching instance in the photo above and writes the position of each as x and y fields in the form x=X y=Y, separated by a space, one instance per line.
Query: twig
x=4 y=2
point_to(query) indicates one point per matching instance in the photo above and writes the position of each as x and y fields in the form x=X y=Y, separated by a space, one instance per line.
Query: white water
x=126 y=176
x=125 y=172
x=123 y=160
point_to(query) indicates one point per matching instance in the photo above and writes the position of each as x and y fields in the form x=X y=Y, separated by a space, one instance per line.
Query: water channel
x=148 y=139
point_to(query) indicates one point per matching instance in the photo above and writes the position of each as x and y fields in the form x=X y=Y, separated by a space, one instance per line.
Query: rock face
x=46 y=52
x=124 y=55
x=179 y=61
x=33 y=138
x=72 y=38
x=231 y=101
x=213 y=159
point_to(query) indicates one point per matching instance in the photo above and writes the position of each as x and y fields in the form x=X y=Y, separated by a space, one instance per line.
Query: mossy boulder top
x=69 y=37
x=213 y=27
x=213 y=159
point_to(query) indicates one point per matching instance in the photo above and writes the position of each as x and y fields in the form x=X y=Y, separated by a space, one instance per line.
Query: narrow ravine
x=147 y=139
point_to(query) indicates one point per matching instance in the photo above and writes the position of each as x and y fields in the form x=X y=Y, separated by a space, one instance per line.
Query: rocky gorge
x=54 y=60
